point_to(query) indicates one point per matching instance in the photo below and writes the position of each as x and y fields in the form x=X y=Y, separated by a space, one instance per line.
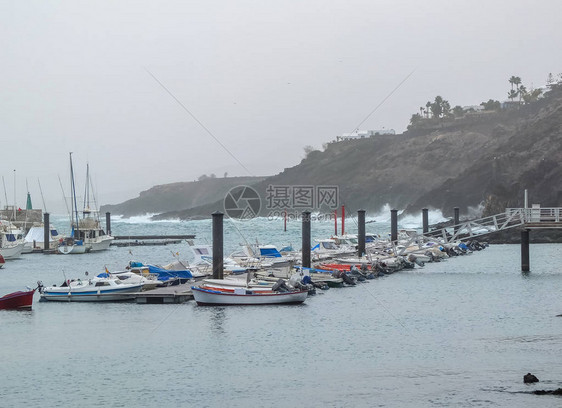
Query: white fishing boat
x=103 y=287
x=246 y=297
x=11 y=240
x=89 y=226
x=90 y=231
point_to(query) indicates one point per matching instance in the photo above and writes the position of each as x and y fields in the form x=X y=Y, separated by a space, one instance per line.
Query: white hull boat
x=11 y=252
x=98 y=289
x=100 y=243
x=246 y=297
x=76 y=248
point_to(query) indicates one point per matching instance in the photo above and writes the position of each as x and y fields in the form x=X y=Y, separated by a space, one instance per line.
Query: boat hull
x=17 y=300
x=101 y=244
x=89 y=295
x=205 y=297
x=13 y=251
x=72 y=249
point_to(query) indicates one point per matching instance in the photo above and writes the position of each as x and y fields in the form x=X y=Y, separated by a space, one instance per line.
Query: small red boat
x=17 y=300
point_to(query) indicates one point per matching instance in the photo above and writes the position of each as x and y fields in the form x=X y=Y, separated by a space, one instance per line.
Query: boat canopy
x=165 y=274
x=269 y=251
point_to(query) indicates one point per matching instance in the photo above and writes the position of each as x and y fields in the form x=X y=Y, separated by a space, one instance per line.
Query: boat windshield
x=329 y=245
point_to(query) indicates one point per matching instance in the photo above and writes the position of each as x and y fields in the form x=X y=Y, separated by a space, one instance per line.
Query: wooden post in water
x=394 y=225
x=306 y=239
x=457 y=220
x=218 y=257
x=108 y=223
x=525 y=264
x=336 y=222
x=361 y=232
x=285 y=222
x=342 y=219
x=425 y=220
x=46 y=231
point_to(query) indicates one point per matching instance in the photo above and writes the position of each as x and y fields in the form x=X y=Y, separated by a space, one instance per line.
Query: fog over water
x=264 y=78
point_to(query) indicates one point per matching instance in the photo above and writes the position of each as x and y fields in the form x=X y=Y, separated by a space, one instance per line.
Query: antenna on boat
x=42 y=198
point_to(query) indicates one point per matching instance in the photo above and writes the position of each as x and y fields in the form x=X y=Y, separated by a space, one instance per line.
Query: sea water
x=462 y=332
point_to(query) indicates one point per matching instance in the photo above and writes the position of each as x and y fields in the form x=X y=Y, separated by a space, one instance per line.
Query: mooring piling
x=394 y=225
x=108 y=223
x=46 y=231
x=306 y=239
x=425 y=220
x=218 y=242
x=525 y=264
x=361 y=232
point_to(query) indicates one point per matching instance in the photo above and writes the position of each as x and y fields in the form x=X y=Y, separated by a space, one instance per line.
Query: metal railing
x=511 y=218
x=538 y=214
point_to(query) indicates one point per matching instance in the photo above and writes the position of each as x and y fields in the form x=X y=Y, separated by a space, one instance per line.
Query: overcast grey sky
x=265 y=77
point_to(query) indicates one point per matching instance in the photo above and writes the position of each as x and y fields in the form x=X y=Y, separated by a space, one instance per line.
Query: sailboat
x=73 y=245
x=89 y=226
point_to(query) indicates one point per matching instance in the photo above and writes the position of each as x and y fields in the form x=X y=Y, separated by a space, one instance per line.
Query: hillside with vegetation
x=480 y=160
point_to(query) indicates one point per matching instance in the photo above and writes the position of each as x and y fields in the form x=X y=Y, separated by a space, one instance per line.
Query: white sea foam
x=142 y=219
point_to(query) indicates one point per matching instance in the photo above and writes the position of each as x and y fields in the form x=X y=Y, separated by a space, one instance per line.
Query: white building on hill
x=363 y=134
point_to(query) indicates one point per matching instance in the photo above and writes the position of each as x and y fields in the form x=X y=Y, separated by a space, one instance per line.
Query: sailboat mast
x=42 y=198
x=86 y=188
x=73 y=190
x=14 y=194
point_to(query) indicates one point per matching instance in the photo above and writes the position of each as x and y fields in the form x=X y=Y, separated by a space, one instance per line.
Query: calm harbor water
x=457 y=333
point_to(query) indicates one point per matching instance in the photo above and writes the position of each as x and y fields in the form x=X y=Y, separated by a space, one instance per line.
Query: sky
x=155 y=92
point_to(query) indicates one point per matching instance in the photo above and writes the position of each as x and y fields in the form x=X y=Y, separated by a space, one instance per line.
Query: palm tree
x=512 y=94
x=512 y=81
x=522 y=91
x=428 y=106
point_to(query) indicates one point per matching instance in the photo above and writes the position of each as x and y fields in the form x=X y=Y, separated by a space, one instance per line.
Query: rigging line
x=386 y=309
x=166 y=318
x=198 y=121
x=384 y=100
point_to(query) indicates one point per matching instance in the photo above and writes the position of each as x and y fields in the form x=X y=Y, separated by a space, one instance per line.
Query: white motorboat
x=11 y=243
x=148 y=281
x=246 y=297
x=90 y=231
x=103 y=287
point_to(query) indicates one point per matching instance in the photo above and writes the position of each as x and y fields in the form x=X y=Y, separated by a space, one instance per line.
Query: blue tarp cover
x=164 y=274
x=270 y=252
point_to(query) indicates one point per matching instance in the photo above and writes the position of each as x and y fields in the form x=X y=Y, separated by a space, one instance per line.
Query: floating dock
x=169 y=294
